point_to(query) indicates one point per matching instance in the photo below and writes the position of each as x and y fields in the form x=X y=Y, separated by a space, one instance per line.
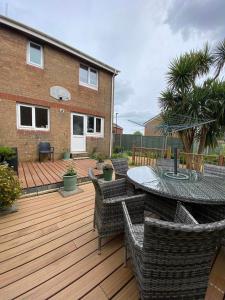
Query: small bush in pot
x=100 y=161
x=10 y=189
x=70 y=179
x=107 y=172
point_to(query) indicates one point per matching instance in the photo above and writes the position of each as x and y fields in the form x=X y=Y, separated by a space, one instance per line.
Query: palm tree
x=189 y=94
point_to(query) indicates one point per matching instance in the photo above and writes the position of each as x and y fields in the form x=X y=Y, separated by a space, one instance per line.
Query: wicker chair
x=108 y=213
x=213 y=170
x=120 y=166
x=209 y=214
x=165 y=162
x=172 y=260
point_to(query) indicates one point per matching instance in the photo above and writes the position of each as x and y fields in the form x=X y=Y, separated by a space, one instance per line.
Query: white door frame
x=80 y=139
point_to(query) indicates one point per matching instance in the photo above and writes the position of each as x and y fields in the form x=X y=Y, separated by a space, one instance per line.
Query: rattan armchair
x=172 y=260
x=108 y=213
x=165 y=162
x=209 y=214
x=120 y=166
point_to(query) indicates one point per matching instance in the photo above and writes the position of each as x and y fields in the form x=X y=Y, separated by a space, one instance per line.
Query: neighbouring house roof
x=50 y=40
x=114 y=125
x=153 y=118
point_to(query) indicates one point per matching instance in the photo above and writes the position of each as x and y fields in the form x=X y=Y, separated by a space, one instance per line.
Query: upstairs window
x=32 y=117
x=88 y=77
x=35 y=55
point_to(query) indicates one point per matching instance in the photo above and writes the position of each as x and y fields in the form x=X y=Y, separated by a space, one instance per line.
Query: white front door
x=78 y=134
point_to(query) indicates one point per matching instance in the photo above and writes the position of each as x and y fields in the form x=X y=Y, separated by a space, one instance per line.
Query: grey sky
x=139 y=38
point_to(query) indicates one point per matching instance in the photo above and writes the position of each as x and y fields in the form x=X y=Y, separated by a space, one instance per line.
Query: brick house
x=52 y=92
x=117 y=129
x=151 y=126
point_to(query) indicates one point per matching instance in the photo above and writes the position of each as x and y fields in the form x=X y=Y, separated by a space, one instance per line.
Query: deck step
x=78 y=158
x=79 y=155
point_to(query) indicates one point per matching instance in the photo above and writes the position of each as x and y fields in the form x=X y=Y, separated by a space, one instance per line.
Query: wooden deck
x=48 y=250
x=35 y=176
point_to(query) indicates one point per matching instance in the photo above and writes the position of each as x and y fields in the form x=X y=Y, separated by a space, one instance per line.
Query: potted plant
x=100 y=162
x=107 y=172
x=66 y=154
x=6 y=153
x=10 y=189
x=70 y=180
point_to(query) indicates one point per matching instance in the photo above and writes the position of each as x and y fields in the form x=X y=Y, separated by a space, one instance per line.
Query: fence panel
x=127 y=141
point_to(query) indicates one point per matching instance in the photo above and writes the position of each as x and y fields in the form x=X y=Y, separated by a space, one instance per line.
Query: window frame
x=95 y=133
x=89 y=85
x=29 y=62
x=33 y=127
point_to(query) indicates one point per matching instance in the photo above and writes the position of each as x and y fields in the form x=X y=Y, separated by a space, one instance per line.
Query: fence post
x=168 y=152
x=133 y=155
x=220 y=160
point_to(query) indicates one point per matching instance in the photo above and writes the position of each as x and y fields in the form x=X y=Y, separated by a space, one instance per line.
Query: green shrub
x=118 y=149
x=6 y=153
x=120 y=155
x=10 y=188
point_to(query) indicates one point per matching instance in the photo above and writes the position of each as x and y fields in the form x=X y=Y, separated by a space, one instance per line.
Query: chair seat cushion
x=45 y=151
x=138 y=230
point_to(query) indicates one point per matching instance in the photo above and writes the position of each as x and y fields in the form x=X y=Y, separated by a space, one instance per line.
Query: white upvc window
x=35 y=55
x=88 y=77
x=32 y=117
x=95 y=126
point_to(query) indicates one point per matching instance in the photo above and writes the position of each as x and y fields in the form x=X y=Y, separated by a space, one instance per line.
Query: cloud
x=123 y=91
x=198 y=17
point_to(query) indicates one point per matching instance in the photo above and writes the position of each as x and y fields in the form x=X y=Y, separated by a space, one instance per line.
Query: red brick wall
x=117 y=130
x=151 y=127
x=22 y=83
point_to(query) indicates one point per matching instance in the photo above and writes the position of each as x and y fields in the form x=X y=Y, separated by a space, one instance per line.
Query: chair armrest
x=129 y=227
x=113 y=188
x=120 y=175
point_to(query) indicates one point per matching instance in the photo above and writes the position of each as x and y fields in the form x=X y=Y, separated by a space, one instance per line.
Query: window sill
x=35 y=66
x=95 y=135
x=89 y=86
x=32 y=131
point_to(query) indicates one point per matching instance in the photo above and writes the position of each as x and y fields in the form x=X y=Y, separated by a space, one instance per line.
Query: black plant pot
x=13 y=162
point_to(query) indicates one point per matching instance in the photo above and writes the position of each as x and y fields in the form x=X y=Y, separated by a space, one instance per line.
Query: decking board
x=35 y=174
x=52 y=252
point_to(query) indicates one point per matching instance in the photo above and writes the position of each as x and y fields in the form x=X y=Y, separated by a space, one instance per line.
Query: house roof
x=50 y=40
x=153 y=118
x=114 y=125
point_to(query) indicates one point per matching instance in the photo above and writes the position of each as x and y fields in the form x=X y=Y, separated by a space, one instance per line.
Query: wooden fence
x=148 y=156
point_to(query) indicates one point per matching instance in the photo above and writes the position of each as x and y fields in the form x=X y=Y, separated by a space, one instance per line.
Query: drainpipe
x=112 y=113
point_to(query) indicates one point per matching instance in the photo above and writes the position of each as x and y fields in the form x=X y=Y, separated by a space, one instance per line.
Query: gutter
x=112 y=113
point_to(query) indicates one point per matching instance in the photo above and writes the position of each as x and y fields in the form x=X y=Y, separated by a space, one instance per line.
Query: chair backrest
x=214 y=170
x=165 y=162
x=94 y=179
x=180 y=249
x=44 y=146
x=182 y=215
x=120 y=165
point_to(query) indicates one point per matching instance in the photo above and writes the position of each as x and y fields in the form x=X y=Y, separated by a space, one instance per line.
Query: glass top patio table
x=189 y=186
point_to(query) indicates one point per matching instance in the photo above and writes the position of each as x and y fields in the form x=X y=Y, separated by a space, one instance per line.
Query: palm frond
x=219 y=57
